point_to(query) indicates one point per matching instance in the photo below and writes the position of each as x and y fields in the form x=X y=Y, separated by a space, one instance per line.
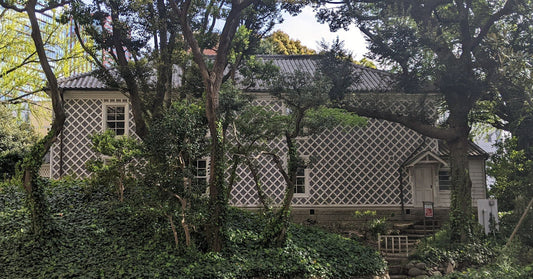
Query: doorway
x=423 y=184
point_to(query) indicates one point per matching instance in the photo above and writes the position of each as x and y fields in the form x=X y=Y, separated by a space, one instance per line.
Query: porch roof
x=473 y=150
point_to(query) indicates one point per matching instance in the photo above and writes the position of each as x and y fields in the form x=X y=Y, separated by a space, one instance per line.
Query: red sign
x=428 y=209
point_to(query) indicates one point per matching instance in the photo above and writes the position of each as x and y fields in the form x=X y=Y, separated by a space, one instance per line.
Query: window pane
x=116 y=119
x=300 y=172
x=201 y=164
x=444 y=180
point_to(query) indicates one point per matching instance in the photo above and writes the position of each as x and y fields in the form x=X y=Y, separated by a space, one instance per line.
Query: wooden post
x=519 y=222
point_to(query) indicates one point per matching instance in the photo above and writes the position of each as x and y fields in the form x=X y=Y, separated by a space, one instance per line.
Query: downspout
x=400 y=174
x=61 y=155
x=61 y=139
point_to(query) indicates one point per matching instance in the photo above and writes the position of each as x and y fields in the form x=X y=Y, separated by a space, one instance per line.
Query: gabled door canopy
x=426 y=157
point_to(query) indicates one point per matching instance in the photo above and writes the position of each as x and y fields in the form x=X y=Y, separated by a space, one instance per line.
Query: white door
x=423 y=184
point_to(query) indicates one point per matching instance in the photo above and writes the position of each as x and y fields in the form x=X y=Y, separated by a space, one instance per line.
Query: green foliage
x=99 y=237
x=506 y=265
x=175 y=141
x=16 y=138
x=338 y=66
x=20 y=71
x=513 y=174
x=510 y=220
x=438 y=249
x=255 y=72
x=279 y=42
x=322 y=118
x=372 y=225
x=113 y=168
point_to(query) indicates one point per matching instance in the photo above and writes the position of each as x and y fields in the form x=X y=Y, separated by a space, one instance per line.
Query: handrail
x=398 y=243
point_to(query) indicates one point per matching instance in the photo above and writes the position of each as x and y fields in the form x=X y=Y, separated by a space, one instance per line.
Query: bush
x=437 y=249
x=16 y=139
x=503 y=268
x=372 y=225
x=100 y=237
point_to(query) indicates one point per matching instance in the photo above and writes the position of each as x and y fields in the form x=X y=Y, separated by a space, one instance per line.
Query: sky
x=305 y=28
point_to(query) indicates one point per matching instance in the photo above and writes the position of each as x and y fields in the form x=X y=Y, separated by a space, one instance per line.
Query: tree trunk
x=218 y=197
x=32 y=163
x=461 y=219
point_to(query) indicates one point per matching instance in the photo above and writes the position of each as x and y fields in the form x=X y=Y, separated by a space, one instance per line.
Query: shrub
x=372 y=225
x=437 y=249
x=99 y=237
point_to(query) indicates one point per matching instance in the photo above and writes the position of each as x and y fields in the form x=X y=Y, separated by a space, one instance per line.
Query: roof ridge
x=75 y=76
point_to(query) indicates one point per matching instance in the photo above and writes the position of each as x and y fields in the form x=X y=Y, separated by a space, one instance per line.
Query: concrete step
x=396 y=270
x=422 y=227
x=417 y=235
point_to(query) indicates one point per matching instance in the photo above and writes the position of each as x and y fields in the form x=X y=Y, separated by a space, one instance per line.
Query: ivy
x=99 y=237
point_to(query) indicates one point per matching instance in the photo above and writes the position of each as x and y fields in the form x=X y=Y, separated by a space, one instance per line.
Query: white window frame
x=306 y=178
x=126 y=116
x=449 y=177
x=207 y=171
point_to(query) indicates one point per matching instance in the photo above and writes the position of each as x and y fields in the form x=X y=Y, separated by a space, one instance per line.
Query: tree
x=306 y=96
x=114 y=168
x=442 y=43
x=173 y=145
x=31 y=181
x=16 y=139
x=512 y=171
x=279 y=42
x=21 y=79
x=124 y=29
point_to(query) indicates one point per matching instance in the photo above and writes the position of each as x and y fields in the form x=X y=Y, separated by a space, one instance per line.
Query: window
x=200 y=174
x=115 y=119
x=301 y=188
x=445 y=182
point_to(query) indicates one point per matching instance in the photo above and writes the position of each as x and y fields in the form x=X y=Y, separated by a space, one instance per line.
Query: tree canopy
x=279 y=42
x=440 y=46
x=21 y=77
x=16 y=138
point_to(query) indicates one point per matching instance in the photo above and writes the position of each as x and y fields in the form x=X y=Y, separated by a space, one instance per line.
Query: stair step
x=396 y=270
x=421 y=227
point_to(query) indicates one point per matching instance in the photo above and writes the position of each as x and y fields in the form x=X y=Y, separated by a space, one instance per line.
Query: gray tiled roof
x=82 y=81
x=370 y=80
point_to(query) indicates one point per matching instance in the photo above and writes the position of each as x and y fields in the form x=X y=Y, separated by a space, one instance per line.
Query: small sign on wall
x=428 y=209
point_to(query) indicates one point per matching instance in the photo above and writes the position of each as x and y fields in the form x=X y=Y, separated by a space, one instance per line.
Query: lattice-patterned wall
x=84 y=118
x=356 y=167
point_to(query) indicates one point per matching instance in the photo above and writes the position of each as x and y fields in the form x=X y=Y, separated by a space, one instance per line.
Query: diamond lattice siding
x=84 y=118
x=355 y=167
